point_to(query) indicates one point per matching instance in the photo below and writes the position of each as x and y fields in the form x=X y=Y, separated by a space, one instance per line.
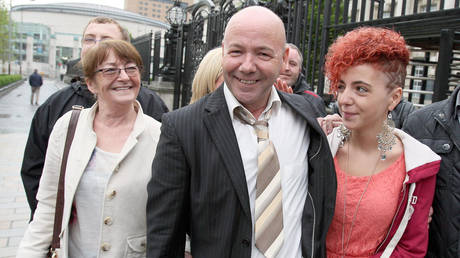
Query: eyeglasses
x=92 y=41
x=111 y=72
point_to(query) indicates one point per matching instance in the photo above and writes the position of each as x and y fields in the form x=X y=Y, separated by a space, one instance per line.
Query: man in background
x=438 y=126
x=35 y=82
x=291 y=72
x=291 y=80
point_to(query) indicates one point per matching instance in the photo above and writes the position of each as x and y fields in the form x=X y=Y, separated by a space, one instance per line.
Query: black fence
x=431 y=29
x=143 y=44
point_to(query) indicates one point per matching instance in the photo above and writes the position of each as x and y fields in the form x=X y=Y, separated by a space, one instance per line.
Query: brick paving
x=14 y=210
x=15 y=116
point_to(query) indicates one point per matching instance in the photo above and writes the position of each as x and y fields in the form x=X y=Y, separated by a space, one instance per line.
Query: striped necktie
x=269 y=209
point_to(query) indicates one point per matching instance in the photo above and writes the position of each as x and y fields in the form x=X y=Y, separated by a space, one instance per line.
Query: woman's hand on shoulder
x=282 y=86
x=329 y=122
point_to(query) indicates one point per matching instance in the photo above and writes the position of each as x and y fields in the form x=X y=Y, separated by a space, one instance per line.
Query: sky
x=113 y=3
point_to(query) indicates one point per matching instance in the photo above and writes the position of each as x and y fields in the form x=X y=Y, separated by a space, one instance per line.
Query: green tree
x=4 y=35
x=304 y=22
x=315 y=16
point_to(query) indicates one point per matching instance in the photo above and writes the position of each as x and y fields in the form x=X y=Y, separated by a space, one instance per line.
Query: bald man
x=206 y=168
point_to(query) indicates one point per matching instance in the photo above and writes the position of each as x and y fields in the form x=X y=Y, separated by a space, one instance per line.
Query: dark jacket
x=46 y=116
x=401 y=112
x=200 y=186
x=35 y=80
x=301 y=87
x=436 y=126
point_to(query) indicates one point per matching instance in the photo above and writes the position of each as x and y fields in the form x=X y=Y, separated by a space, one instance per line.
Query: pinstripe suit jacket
x=198 y=184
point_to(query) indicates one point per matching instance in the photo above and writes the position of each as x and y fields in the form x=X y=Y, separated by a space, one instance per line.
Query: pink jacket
x=408 y=234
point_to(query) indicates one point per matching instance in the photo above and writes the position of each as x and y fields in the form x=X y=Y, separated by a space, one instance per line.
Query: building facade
x=421 y=70
x=48 y=35
x=411 y=7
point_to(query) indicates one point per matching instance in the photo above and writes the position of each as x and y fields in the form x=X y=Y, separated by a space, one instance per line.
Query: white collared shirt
x=290 y=137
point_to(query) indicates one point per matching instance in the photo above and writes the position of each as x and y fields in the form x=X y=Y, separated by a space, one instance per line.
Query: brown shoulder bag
x=55 y=242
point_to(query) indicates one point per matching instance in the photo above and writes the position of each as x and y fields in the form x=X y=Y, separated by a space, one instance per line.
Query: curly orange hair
x=383 y=48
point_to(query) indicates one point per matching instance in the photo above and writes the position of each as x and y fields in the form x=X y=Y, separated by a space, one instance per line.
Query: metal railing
x=312 y=25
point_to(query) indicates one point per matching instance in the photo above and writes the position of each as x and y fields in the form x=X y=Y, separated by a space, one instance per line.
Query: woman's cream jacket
x=123 y=221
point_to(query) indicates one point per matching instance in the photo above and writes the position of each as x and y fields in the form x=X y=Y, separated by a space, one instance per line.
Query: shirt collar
x=274 y=102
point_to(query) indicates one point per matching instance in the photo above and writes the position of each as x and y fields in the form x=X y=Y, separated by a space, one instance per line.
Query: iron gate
x=143 y=44
x=312 y=25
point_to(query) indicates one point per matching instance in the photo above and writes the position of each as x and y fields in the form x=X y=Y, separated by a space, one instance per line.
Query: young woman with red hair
x=385 y=177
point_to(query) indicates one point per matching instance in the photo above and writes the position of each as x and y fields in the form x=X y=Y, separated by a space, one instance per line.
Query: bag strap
x=55 y=243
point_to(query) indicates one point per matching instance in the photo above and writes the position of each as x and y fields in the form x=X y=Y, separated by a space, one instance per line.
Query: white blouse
x=89 y=199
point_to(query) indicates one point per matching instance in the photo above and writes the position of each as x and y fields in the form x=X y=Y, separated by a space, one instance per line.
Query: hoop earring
x=344 y=134
x=386 y=139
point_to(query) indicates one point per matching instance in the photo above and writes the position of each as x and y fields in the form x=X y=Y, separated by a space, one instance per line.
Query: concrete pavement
x=15 y=116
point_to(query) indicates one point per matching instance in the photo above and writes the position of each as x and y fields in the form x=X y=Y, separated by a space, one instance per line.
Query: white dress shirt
x=290 y=137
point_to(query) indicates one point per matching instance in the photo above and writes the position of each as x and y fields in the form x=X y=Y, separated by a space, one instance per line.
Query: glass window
x=433 y=7
x=386 y=14
x=418 y=71
x=64 y=52
x=417 y=86
x=40 y=59
x=39 y=48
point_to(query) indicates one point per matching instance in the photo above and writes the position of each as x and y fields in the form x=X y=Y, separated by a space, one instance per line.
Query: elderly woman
x=209 y=75
x=109 y=165
x=385 y=178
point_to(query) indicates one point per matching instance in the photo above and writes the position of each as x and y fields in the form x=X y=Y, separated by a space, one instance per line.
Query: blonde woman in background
x=208 y=77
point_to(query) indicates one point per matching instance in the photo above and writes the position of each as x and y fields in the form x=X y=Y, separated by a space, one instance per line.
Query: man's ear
x=286 y=56
x=223 y=52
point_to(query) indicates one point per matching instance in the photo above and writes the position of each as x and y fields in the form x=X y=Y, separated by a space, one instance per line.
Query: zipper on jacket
x=393 y=221
x=314 y=223
x=317 y=152
x=313 y=204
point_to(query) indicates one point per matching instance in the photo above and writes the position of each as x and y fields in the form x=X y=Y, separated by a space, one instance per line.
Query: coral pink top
x=375 y=213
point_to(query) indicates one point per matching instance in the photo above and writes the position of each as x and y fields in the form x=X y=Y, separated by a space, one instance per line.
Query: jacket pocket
x=136 y=246
x=443 y=147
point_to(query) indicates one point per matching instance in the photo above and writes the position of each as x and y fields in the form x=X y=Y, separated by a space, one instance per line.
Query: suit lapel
x=220 y=128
